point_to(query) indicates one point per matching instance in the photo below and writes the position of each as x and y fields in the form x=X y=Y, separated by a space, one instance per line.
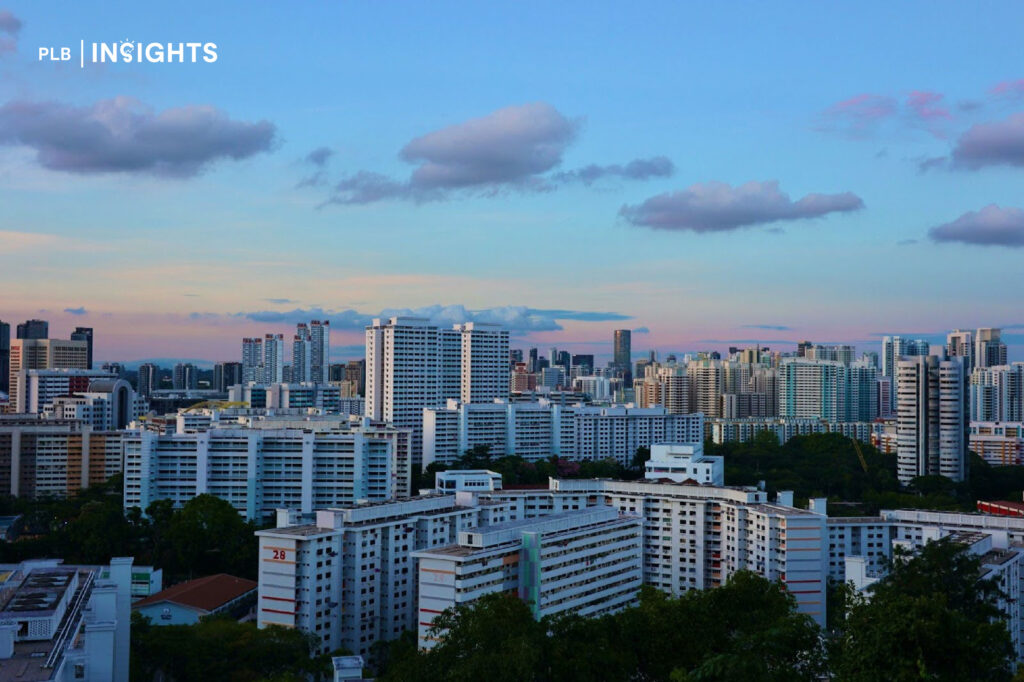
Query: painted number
x=280 y=554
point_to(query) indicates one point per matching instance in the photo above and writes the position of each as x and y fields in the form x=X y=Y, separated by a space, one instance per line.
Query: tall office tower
x=484 y=362
x=515 y=355
x=884 y=387
x=531 y=365
x=802 y=347
x=896 y=347
x=813 y=389
x=252 y=360
x=989 y=349
x=585 y=362
x=553 y=356
x=226 y=375
x=29 y=354
x=5 y=357
x=273 y=358
x=302 y=355
x=148 y=379
x=185 y=377
x=997 y=393
x=34 y=329
x=320 y=351
x=564 y=359
x=337 y=372
x=623 y=353
x=639 y=369
x=932 y=421
x=84 y=334
x=960 y=344
x=833 y=353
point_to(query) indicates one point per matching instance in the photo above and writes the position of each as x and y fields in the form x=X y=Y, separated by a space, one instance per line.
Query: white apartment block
x=997 y=393
x=484 y=362
x=29 y=354
x=998 y=443
x=307 y=395
x=744 y=430
x=65 y=623
x=585 y=562
x=539 y=429
x=813 y=389
x=273 y=359
x=350 y=577
x=932 y=418
x=260 y=470
x=681 y=462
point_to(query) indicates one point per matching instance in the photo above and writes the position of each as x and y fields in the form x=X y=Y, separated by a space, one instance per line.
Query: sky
x=706 y=174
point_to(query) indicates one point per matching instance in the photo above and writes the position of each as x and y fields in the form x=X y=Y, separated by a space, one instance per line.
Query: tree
x=208 y=536
x=933 y=617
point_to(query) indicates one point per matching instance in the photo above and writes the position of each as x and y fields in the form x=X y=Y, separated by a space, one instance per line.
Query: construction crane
x=860 y=455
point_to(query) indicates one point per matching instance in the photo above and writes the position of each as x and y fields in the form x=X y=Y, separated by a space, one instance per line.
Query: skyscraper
x=29 y=354
x=273 y=358
x=320 y=351
x=34 y=329
x=932 y=421
x=84 y=334
x=960 y=344
x=531 y=364
x=5 y=357
x=989 y=350
x=802 y=347
x=484 y=362
x=148 y=379
x=896 y=347
x=252 y=360
x=302 y=347
x=226 y=375
x=185 y=377
x=623 y=353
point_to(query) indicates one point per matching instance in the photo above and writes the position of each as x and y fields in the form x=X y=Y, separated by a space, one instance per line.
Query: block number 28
x=280 y=554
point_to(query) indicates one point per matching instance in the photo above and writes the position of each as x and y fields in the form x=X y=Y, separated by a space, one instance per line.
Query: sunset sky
x=707 y=174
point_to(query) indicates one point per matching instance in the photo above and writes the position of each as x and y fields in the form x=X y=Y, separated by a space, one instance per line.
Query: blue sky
x=838 y=103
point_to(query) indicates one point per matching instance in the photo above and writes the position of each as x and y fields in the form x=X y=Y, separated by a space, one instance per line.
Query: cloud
x=859 y=115
x=317 y=158
x=76 y=311
x=768 y=327
x=124 y=135
x=1008 y=89
x=639 y=169
x=991 y=226
x=517 y=148
x=641 y=330
x=11 y=26
x=719 y=207
x=521 y=319
x=279 y=301
x=929 y=163
x=991 y=144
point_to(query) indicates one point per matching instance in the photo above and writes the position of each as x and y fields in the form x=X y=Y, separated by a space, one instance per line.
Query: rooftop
x=206 y=594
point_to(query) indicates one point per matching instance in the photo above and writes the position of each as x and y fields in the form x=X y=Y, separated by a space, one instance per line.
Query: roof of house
x=206 y=594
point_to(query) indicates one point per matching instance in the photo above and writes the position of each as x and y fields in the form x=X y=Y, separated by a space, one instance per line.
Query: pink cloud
x=1008 y=88
x=860 y=113
x=925 y=105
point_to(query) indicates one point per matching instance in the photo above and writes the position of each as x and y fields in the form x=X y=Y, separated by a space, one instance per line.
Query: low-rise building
x=186 y=603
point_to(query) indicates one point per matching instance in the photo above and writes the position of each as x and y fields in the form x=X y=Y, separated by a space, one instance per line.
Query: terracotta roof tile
x=208 y=593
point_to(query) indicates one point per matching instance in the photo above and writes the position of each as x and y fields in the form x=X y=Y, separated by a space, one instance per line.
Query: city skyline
x=709 y=179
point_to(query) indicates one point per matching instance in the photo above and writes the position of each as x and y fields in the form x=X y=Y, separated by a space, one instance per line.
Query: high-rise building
x=148 y=379
x=834 y=353
x=411 y=364
x=355 y=373
x=185 y=377
x=84 y=334
x=29 y=354
x=802 y=347
x=226 y=375
x=585 y=362
x=997 y=393
x=531 y=365
x=484 y=362
x=320 y=351
x=623 y=353
x=302 y=349
x=813 y=389
x=252 y=360
x=273 y=358
x=932 y=418
x=34 y=329
x=894 y=348
x=960 y=344
x=5 y=357
x=989 y=349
